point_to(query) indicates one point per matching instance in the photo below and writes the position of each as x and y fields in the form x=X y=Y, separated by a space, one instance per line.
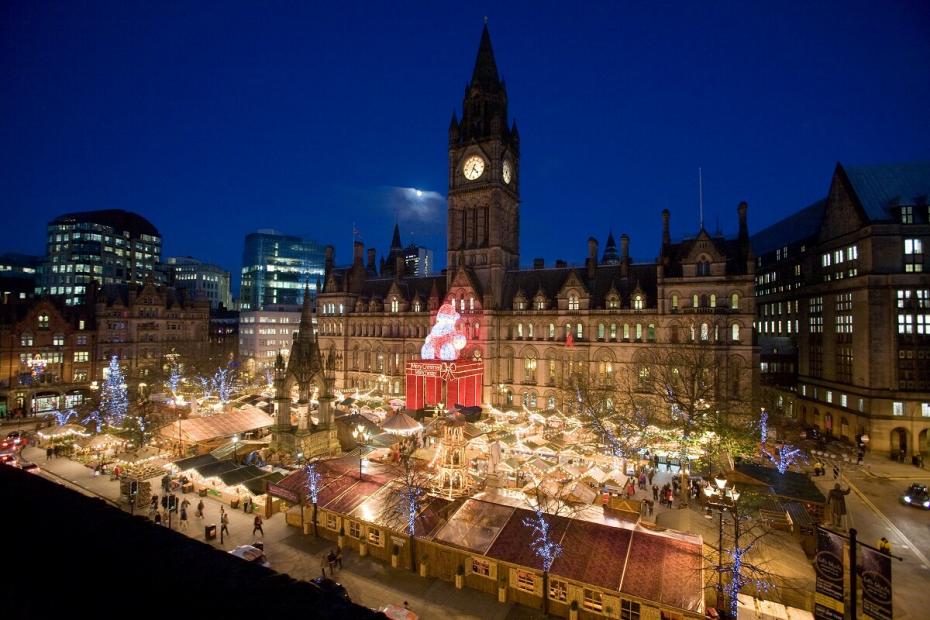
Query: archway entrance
x=828 y=423
x=922 y=442
x=899 y=441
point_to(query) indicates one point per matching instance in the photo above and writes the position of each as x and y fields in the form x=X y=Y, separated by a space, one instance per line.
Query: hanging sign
x=876 y=584
x=830 y=569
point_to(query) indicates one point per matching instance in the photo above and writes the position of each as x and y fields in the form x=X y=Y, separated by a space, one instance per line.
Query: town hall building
x=534 y=327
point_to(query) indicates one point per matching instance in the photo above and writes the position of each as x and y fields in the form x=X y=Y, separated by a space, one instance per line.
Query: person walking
x=184 y=524
x=884 y=546
x=200 y=510
x=323 y=563
x=157 y=518
x=257 y=525
x=652 y=474
x=48 y=453
x=185 y=503
x=655 y=492
x=331 y=560
x=224 y=522
x=339 y=557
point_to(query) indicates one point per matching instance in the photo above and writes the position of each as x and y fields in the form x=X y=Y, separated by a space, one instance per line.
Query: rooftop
x=118 y=219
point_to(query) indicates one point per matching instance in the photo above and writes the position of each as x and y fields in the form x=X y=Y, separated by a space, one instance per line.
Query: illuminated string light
x=313 y=482
x=545 y=549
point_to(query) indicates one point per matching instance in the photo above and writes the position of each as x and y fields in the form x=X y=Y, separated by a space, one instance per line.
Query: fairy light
x=313 y=482
x=545 y=549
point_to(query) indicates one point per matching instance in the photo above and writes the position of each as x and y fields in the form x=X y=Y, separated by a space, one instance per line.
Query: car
x=329 y=586
x=251 y=554
x=811 y=432
x=917 y=495
x=8 y=458
x=32 y=468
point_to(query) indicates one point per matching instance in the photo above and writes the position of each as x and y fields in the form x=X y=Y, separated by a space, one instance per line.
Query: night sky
x=216 y=119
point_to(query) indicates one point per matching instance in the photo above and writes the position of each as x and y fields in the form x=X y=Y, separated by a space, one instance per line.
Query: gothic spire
x=485 y=74
x=611 y=257
x=395 y=240
x=306 y=315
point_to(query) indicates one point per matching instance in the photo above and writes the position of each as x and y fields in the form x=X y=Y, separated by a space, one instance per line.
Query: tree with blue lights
x=313 y=485
x=174 y=379
x=114 y=396
x=546 y=505
x=224 y=381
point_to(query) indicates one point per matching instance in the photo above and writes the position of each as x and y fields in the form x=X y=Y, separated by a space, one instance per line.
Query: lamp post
x=361 y=436
x=721 y=498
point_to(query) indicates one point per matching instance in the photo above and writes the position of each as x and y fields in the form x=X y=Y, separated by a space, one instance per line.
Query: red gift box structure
x=432 y=382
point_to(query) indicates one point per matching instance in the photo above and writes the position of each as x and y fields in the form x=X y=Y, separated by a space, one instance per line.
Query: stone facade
x=519 y=320
x=844 y=308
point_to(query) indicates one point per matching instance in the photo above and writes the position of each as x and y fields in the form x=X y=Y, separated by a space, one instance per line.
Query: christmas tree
x=114 y=399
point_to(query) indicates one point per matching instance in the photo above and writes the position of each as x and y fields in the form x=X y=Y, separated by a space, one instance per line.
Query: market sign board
x=828 y=564
x=876 y=584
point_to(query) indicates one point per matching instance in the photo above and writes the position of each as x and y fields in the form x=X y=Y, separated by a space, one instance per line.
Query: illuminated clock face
x=507 y=172
x=474 y=167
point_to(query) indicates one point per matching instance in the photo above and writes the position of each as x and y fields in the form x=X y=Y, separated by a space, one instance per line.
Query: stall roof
x=215 y=469
x=475 y=525
x=192 y=462
x=256 y=486
x=664 y=568
x=230 y=422
x=236 y=476
x=790 y=484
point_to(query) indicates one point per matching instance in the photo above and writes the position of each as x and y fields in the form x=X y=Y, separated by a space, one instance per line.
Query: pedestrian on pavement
x=224 y=521
x=339 y=557
x=157 y=518
x=48 y=453
x=859 y=456
x=154 y=502
x=655 y=492
x=184 y=524
x=652 y=474
x=323 y=565
x=331 y=560
x=200 y=509
x=884 y=546
x=56 y=450
x=185 y=503
x=257 y=527
x=164 y=502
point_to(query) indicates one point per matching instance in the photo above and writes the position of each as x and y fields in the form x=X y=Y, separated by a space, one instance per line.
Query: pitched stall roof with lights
x=226 y=424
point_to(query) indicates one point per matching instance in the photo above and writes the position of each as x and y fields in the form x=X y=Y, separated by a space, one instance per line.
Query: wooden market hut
x=611 y=568
x=790 y=487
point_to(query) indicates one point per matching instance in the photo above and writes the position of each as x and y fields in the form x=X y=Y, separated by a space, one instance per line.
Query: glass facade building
x=200 y=279
x=110 y=246
x=275 y=268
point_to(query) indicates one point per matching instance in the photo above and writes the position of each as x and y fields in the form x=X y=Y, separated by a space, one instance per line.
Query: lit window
x=526 y=581
x=713 y=300
x=395 y=305
x=355 y=529
x=734 y=301
x=558 y=590
x=81 y=356
x=705 y=332
x=593 y=600
x=637 y=302
x=481 y=567
x=58 y=340
x=551 y=331
x=907 y=215
x=674 y=302
x=925 y=410
x=26 y=340
x=913 y=255
x=629 y=610
x=331 y=522
x=734 y=332
x=579 y=331
x=897 y=408
x=843 y=400
x=572 y=302
x=374 y=537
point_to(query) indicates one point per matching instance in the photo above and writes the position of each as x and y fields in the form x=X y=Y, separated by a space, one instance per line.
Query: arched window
x=713 y=300
x=639 y=331
x=416 y=306
x=626 y=331
x=579 y=331
x=471 y=304
x=395 y=305
x=529 y=330
x=694 y=301
x=734 y=332
x=703 y=268
x=519 y=330
x=637 y=302
x=600 y=331
x=568 y=329
x=613 y=331
x=476 y=334
x=529 y=368
x=552 y=331
x=674 y=302
x=651 y=332
x=705 y=332
x=550 y=402
x=43 y=321
x=734 y=301
x=572 y=302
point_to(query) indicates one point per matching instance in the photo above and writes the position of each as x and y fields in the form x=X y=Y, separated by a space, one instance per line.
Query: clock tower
x=483 y=229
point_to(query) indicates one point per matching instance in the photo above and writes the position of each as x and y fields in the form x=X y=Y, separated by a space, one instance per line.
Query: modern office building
x=419 y=260
x=200 y=279
x=843 y=308
x=18 y=276
x=275 y=268
x=265 y=333
x=110 y=247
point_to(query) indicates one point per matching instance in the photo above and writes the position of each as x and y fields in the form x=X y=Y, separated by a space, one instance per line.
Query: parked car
x=32 y=468
x=917 y=495
x=811 y=432
x=331 y=587
x=251 y=554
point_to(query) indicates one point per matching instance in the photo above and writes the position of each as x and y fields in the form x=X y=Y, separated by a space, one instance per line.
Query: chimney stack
x=592 y=257
x=330 y=257
x=666 y=237
x=624 y=255
x=371 y=260
x=539 y=263
x=560 y=263
x=743 y=228
x=399 y=264
x=358 y=248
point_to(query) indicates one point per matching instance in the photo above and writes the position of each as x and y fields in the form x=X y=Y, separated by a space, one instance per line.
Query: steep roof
x=485 y=73
x=881 y=188
x=119 y=219
x=550 y=282
x=796 y=227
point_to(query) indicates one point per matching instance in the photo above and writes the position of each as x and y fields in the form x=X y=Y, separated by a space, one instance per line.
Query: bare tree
x=406 y=498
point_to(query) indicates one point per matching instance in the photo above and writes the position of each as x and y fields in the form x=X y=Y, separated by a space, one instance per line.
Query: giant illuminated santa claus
x=444 y=341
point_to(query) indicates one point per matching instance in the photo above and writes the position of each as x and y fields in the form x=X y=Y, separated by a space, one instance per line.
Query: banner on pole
x=830 y=568
x=876 y=584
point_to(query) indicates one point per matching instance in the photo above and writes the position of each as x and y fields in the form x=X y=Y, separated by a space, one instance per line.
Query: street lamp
x=361 y=435
x=722 y=499
x=235 y=441
x=300 y=457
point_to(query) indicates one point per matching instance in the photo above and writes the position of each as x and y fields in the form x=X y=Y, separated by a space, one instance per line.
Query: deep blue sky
x=215 y=119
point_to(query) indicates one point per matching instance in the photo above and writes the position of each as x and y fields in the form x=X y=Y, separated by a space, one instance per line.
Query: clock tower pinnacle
x=483 y=228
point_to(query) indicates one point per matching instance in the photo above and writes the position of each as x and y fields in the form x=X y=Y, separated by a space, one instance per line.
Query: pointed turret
x=454 y=130
x=306 y=315
x=611 y=257
x=485 y=74
x=395 y=240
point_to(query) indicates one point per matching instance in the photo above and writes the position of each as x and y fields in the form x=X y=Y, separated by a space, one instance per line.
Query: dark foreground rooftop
x=66 y=552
